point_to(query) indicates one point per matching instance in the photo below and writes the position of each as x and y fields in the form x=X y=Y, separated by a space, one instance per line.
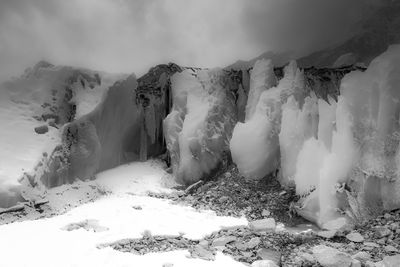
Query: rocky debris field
x=276 y=233
x=231 y=195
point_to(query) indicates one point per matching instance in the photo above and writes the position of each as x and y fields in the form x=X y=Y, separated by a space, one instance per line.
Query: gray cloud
x=131 y=36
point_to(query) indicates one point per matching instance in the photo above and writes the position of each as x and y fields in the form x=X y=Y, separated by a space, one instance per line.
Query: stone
x=42 y=129
x=355 y=263
x=382 y=231
x=270 y=254
x=264 y=263
x=222 y=241
x=391 y=261
x=263 y=225
x=265 y=213
x=355 y=237
x=307 y=257
x=362 y=256
x=369 y=264
x=331 y=257
x=254 y=242
x=327 y=234
x=390 y=248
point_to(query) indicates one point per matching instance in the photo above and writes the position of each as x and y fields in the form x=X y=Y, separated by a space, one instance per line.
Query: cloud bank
x=130 y=36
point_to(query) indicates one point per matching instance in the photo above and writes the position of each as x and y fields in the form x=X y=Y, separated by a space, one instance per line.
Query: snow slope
x=21 y=148
x=44 y=242
x=45 y=95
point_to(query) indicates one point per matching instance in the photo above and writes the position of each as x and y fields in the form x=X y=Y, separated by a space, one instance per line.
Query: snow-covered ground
x=45 y=242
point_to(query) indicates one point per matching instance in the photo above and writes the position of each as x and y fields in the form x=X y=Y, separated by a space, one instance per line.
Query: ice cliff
x=332 y=133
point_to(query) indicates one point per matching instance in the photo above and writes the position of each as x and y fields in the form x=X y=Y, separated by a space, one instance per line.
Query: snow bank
x=255 y=143
x=200 y=123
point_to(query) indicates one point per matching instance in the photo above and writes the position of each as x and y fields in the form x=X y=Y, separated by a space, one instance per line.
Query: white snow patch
x=44 y=243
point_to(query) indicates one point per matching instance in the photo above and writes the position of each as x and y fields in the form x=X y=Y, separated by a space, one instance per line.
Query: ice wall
x=357 y=150
x=375 y=108
x=200 y=123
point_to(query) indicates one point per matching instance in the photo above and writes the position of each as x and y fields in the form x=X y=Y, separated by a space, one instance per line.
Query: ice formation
x=255 y=143
x=200 y=124
x=262 y=78
x=298 y=125
x=357 y=146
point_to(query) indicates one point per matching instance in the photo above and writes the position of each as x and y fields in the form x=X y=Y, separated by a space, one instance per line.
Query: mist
x=131 y=36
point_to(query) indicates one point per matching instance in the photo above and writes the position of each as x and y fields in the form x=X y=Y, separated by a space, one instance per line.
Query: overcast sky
x=130 y=36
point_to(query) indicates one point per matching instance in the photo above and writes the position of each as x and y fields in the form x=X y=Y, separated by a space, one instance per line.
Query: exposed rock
x=331 y=257
x=42 y=129
x=263 y=225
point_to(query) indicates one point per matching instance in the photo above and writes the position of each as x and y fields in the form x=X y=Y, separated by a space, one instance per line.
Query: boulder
x=331 y=257
x=391 y=261
x=270 y=254
x=355 y=237
x=42 y=129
